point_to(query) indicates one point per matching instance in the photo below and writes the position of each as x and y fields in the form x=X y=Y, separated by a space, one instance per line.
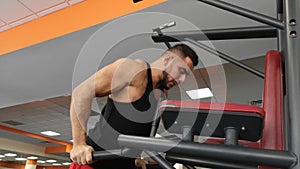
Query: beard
x=164 y=81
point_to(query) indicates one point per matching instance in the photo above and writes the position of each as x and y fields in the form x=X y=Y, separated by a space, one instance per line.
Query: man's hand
x=140 y=163
x=81 y=154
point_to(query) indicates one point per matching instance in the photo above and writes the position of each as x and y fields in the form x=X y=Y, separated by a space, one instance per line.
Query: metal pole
x=187 y=133
x=292 y=67
x=225 y=57
x=165 y=26
x=231 y=136
x=209 y=163
x=104 y=155
x=279 y=5
x=254 y=156
x=157 y=117
x=245 y=12
x=218 y=34
x=281 y=46
x=160 y=161
x=155 y=156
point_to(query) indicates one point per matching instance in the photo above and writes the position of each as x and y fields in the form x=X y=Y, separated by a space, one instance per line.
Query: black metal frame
x=217 y=34
x=238 y=154
x=288 y=29
x=226 y=57
x=245 y=12
x=209 y=163
x=291 y=17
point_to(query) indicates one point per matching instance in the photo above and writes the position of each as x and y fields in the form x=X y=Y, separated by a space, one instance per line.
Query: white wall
x=243 y=86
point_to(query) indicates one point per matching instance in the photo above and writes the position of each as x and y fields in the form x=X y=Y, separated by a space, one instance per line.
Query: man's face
x=176 y=70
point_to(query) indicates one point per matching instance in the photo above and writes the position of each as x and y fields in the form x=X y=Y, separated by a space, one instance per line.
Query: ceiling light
x=50 y=133
x=199 y=93
x=66 y=163
x=56 y=164
x=10 y=154
x=40 y=161
x=32 y=158
x=20 y=159
x=50 y=161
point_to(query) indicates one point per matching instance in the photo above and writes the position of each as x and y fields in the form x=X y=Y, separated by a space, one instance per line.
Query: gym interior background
x=36 y=80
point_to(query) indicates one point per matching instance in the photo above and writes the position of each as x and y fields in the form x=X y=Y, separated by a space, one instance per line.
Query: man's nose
x=182 y=78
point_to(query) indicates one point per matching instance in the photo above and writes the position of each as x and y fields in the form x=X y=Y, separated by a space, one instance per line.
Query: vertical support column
x=279 y=6
x=187 y=133
x=31 y=164
x=281 y=46
x=231 y=136
x=292 y=67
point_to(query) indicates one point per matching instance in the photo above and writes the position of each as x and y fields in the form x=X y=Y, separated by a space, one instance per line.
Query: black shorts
x=122 y=163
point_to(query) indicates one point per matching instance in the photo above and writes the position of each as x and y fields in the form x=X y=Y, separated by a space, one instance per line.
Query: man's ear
x=168 y=57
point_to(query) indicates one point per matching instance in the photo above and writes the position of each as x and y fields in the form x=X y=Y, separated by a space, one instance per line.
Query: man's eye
x=183 y=71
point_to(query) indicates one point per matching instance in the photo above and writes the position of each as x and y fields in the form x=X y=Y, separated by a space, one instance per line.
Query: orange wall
x=79 y=16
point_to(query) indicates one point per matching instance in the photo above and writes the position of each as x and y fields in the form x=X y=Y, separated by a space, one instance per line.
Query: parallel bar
x=206 y=163
x=218 y=34
x=115 y=154
x=245 y=12
x=292 y=67
x=226 y=57
x=104 y=155
x=237 y=154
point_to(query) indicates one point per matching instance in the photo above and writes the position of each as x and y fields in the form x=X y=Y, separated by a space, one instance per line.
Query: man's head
x=185 y=51
x=179 y=60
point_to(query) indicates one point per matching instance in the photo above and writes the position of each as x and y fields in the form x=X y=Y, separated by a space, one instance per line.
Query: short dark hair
x=186 y=51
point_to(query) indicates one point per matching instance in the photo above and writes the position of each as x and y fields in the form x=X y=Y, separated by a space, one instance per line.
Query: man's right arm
x=80 y=109
x=100 y=84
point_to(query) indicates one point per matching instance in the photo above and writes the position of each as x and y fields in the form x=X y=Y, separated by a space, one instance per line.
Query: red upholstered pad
x=76 y=166
x=273 y=134
x=212 y=106
x=210 y=119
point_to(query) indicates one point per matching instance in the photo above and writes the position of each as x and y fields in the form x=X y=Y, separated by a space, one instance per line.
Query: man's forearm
x=78 y=132
x=80 y=111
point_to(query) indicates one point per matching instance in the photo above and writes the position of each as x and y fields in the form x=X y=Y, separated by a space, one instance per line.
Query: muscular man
x=132 y=99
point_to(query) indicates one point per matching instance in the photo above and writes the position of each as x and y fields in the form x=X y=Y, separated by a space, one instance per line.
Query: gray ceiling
x=37 y=81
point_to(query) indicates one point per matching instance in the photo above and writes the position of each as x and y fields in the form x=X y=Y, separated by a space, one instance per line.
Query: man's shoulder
x=132 y=63
x=128 y=68
x=129 y=60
